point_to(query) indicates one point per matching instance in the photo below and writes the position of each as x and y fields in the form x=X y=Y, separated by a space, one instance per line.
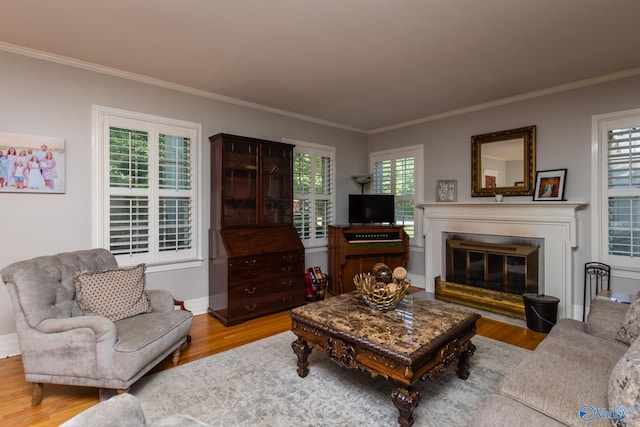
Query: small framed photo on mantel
x=550 y=185
x=446 y=190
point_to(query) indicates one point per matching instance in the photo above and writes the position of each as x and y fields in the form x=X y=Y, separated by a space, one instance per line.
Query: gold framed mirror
x=504 y=163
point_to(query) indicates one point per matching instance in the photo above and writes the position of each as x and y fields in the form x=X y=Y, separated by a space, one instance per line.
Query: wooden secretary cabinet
x=256 y=258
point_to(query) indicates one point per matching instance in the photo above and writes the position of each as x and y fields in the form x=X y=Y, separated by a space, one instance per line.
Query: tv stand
x=355 y=249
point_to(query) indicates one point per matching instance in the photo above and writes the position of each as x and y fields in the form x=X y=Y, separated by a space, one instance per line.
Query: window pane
x=323 y=218
x=313 y=188
x=323 y=173
x=397 y=177
x=174 y=162
x=301 y=173
x=624 y=158
x=624 y=226
x=175 y=231
x=404 y=176
x=382 y=177
x=128 y=225
x=128 y=158
x=302 y=218
x=404 y=215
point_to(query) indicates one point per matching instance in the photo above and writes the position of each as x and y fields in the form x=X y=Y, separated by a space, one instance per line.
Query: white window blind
x=623 y=176
x=395 y=172
x=147 y=179
x=616 y=191
x=313 y=188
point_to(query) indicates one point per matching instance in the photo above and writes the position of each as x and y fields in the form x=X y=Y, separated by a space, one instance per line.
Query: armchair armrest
x=101 y=326
x=86 y=341
x=161 y=301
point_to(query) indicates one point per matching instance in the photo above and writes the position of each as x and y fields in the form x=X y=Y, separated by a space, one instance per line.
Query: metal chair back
x=597 y=277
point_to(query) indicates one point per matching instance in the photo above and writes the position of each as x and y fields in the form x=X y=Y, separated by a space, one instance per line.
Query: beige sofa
x=579 y=375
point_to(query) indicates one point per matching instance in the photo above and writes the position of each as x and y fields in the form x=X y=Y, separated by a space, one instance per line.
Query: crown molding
x=89 y=66
x=59 y=59
x=512 y=99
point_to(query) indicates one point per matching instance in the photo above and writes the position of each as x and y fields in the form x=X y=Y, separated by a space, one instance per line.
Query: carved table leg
x=406 y=400
x=302 y=350
x=463 y=361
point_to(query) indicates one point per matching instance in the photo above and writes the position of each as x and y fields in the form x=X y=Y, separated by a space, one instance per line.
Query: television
x=371 y=208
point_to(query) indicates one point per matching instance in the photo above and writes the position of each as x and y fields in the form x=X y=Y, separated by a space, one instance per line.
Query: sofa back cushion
x=605 y=318
x=45 y=284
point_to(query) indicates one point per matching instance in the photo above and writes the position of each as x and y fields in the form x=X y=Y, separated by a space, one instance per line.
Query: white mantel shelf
x=555 y=222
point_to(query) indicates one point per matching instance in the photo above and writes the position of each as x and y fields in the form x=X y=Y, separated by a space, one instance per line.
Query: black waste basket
x=541 y=311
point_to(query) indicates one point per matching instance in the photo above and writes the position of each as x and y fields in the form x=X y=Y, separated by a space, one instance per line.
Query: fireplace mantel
x=555 y=222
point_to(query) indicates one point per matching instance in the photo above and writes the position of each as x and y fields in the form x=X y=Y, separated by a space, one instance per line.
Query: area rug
x=257 y=385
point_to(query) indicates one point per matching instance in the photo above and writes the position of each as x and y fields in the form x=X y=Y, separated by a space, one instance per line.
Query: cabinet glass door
x=277 y=205
x=240 y=183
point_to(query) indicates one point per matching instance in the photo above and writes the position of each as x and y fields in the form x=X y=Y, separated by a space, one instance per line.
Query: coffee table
x=418 y=339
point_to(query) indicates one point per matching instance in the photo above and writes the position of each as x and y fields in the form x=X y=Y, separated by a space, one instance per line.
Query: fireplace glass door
x=504 y=268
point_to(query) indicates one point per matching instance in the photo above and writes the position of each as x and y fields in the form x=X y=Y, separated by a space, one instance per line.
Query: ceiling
x=364 y=65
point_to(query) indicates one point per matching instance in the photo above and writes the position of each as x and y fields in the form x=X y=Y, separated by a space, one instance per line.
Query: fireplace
x=554 y=223
x=490 y=276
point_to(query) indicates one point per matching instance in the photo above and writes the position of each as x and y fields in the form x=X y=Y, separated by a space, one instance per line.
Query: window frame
x=155 y=259
x=316 y=150
x=621 y=266
x=417 y=152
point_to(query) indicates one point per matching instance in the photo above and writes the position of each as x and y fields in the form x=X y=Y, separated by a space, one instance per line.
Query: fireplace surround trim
x=555 y=222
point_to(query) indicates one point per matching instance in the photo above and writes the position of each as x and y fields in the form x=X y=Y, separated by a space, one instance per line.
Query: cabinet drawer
x=260 y=261
x=263 y=285
x=247 y=263
x=242 y=290
x=285 y=299
x=263 y=269
x=249 y=306
x=255 y=305
x=287 y=281
x=294 y=257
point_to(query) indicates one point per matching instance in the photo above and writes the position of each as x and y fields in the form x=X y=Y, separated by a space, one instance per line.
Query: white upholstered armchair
x=62 y=344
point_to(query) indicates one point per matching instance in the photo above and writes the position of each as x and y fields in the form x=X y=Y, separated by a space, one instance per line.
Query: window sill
x=168 y=266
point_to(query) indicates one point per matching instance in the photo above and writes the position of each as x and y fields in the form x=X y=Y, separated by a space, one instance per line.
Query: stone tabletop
x=415 y=323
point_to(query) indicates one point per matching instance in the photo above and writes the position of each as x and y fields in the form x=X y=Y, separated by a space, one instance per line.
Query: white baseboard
x=9 y=345
x=417 y=281
x=197 y=306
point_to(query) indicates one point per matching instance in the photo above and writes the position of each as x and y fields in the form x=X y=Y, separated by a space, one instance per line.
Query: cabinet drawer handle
x=286 y=269
x=287 y=284
x=250 y=308
x=287 y=257
x=250 y=261
x=250 y=291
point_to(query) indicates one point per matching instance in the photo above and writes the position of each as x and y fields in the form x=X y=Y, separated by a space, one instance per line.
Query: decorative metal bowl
x=378 y=295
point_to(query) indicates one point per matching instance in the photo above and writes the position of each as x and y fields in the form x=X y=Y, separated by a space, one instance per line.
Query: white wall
x=563 y=123
x=44 y=98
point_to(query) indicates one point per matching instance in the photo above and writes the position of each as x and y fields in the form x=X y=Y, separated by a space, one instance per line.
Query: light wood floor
x=208 y=337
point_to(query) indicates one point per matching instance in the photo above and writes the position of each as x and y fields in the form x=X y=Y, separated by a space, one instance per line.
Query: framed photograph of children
x=550 y=185
x=446 y=190
x=31 y=164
